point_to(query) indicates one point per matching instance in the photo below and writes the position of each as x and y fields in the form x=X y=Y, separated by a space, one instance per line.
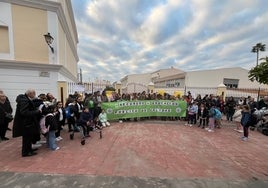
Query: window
x=4 y=41
x=231 y=83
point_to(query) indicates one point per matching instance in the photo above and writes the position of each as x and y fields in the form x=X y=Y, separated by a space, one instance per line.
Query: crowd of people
x=210 y=109
x=84 y=114
x=31 y=112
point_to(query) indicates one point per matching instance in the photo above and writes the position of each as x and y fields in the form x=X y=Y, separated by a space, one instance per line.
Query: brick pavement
x=149 y=149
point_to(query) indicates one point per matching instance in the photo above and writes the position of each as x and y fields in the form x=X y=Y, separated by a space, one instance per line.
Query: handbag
x=8 y=116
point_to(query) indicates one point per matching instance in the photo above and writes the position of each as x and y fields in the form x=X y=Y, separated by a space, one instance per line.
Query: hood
x=21 y=97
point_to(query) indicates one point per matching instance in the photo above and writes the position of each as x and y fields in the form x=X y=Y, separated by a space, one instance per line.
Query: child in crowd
x=195 y=107
x=191 y=114
x=202 y=115
x=51 y=122
x=217 y=118
x=61 y=116
x=211 y=120
x=245 y=121
x=103 y=119
x=237 y=118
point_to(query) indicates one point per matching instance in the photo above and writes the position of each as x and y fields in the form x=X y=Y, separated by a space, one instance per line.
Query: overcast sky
x=121 y=37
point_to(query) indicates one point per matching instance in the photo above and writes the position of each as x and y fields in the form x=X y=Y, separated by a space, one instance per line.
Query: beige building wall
x=62 y=89
x=29 y=25
x=24 y=54
x=4 y=47
x=70 y=20
x=70 y=59
x=61 y=44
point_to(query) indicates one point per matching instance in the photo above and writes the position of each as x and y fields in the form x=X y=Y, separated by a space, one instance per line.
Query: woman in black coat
x=5 y=108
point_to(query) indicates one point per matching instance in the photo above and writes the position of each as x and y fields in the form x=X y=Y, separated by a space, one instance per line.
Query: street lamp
x=49 y=39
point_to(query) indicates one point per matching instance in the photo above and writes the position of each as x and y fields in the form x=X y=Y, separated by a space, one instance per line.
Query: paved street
x=142 y=154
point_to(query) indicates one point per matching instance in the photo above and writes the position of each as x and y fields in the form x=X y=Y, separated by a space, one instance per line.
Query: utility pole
x=81 y=79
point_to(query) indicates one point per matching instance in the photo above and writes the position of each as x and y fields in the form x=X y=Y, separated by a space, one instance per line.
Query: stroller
x=263 y=128
x=262 y=121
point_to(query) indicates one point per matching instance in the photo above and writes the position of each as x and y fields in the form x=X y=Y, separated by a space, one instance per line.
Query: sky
x=123 y=37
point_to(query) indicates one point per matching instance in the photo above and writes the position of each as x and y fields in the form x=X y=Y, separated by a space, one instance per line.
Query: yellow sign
x=161 y=92
x=178 y=94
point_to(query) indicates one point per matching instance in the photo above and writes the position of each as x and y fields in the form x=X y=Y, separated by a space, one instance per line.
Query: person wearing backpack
x=211 y=120
x=70 y=111
x=217 y=118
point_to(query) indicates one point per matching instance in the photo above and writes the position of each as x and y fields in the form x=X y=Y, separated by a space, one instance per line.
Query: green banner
x=145 y=108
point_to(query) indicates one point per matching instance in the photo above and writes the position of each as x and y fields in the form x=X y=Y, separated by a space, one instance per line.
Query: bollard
x=72 y=136
x=100 y=134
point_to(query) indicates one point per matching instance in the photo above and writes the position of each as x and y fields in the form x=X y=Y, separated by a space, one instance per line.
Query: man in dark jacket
x=26 y=121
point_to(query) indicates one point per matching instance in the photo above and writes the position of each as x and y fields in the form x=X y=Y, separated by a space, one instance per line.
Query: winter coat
x=203 y=114
x=84 y=118
x=26 y=116
x=4 y=108
x=237 y=115
x=103 y=117
x=51 y=121
x=245 y=119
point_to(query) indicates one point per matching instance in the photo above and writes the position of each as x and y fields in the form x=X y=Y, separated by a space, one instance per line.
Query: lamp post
x=49 y=39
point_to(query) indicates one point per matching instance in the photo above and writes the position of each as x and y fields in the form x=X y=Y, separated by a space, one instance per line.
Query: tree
x=257 y=48
x=260 y=72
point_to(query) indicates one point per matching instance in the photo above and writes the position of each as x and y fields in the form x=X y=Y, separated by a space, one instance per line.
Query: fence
x=245 y=92
x=89 y=87
x=230 y=92
x=134 y=88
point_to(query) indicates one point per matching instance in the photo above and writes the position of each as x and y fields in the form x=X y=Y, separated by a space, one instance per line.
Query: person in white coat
x=103 y=119
x=237 y=118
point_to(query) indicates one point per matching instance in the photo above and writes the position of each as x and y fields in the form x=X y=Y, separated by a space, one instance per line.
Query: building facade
x=26 y=59
x=197 y=82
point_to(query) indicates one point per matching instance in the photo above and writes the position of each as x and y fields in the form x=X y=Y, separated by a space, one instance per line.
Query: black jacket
x=204 y=114
x=84 y=118
x=4 y=108
x=51 y=121
x=26 y=116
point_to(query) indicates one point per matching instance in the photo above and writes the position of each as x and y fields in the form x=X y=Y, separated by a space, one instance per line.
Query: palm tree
x=258 y=47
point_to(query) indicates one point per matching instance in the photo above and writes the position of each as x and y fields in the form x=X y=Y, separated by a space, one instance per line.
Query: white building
x=198 y=82
x=235 y=77
x=135 y=83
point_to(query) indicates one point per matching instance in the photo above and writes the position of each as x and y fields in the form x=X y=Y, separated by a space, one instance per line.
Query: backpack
x=68 y=112
x=42 y=124
x=253 y=120
x=211 y=112
x=217 y=114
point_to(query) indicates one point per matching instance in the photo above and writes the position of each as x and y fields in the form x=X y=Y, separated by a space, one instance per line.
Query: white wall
x=212 y=78
x=15 y=82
